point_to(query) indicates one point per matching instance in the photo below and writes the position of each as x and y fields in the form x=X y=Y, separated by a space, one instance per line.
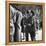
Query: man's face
x=30 y=12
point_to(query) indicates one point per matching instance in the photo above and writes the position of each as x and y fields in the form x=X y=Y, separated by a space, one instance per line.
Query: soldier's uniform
x=29 y=28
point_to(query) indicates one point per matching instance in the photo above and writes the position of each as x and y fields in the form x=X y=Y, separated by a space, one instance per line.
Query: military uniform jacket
x=29 y=27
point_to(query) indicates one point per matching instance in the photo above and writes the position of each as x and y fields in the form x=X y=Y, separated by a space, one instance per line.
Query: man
x=30 y=28
x=23 y=26
x=12 y=29
x=17 y=33
x=16 y=16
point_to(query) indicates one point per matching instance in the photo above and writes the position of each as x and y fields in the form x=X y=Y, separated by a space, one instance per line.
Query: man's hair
x=32 y=12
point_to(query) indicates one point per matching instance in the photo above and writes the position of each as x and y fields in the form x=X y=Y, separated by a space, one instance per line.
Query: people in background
x=25 y=22
x=12 y=29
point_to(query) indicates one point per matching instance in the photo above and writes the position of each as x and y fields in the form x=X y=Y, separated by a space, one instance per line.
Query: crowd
x=26 y=23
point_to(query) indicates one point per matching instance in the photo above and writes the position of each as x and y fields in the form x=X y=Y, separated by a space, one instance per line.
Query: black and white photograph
x=25 y=22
